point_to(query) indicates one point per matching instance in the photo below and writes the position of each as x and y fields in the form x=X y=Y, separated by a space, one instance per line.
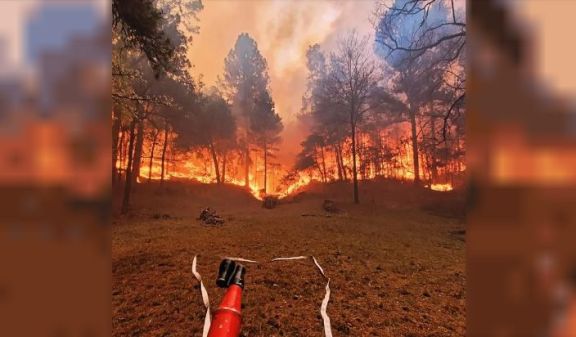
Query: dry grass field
x=396 y=261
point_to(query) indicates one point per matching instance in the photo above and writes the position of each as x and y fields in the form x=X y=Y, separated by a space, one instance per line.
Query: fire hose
x=227 y=318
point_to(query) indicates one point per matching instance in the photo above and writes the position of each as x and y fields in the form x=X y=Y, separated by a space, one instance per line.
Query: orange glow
x=441 y=187
x=283 y=30
x=199 y=166
x=302 y=181
x=518 y=161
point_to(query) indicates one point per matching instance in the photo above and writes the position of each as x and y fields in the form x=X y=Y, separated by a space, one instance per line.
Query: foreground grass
x=395 y=271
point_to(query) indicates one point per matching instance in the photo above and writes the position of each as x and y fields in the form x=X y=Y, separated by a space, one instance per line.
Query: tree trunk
x=138 y=151
x=121 y=156
x=318 y=164
x=415 y=156
x=354 y=170
x=344 y=171
x=434 y=161
x=224 y=156
x=338 y=166
x=324 y=178
x=341 y=161
x=265 y=166
x=151 y=163
x=247 y=167
x=215 y=161
x=128 y=185
x=115 y=145
x=360 y=155
x=164 y=152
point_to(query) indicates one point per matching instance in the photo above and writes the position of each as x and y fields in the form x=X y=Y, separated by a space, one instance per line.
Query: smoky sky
x=283 y=30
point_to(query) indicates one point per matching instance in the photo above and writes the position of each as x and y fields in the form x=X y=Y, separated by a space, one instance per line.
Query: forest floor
x=396 y=261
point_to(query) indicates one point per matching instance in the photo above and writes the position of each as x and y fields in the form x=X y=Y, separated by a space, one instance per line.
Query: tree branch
x=445 y=126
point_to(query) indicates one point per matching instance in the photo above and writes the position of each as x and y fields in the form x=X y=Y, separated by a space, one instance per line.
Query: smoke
x=283 y=31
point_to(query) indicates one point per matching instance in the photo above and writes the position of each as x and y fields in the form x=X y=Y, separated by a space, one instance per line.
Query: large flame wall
x=198 y=165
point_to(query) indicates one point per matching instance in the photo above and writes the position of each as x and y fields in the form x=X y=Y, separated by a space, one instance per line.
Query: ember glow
x=441 y=187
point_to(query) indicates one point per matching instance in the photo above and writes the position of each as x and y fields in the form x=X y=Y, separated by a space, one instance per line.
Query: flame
x=441 y=187
x=190 y=168
x=198 y=166
x=302 y=181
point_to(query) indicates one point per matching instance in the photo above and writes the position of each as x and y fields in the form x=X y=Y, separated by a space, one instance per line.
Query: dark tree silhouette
x=410 y=30
x=265 y=127
x=245 y=80
x=210 y=127
x=152 y=27
x=350 y=82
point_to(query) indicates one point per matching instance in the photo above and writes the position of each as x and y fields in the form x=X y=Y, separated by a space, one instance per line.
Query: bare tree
x=408 y=31
x=414 y=27
x=349 y=84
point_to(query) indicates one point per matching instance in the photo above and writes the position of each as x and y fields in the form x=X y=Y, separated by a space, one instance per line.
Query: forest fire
x=233 y=133
x=191 y=170
x=282 y=180
x=386 y=153
x=298 y=127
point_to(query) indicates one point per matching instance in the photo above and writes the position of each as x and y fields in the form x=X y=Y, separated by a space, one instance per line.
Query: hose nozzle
x=229 y=273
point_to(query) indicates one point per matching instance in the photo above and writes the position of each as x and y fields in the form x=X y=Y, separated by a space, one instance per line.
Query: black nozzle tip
x=225 y=273
x=229 y=273
x=238 y=278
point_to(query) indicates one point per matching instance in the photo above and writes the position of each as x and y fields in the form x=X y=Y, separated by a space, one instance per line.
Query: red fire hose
x=227 y=318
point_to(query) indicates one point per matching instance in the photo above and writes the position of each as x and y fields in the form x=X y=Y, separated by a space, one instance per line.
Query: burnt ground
x=396 y=261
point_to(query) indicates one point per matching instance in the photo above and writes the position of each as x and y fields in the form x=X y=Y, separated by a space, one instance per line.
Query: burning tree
x=389 y=127
x=423 y=42
x=208 y=125
x=246 y=82
x=430 y=32
x=150 y=41
x=328 y=133
x=341 y=94
x=313 y=155
x=265 y=127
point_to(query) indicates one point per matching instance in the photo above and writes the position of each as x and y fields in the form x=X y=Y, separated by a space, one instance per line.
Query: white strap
x=325 y=318
x=205 y=299
x=318 y=265
x=290 y=258
x=240 y=259
x=323 y=306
